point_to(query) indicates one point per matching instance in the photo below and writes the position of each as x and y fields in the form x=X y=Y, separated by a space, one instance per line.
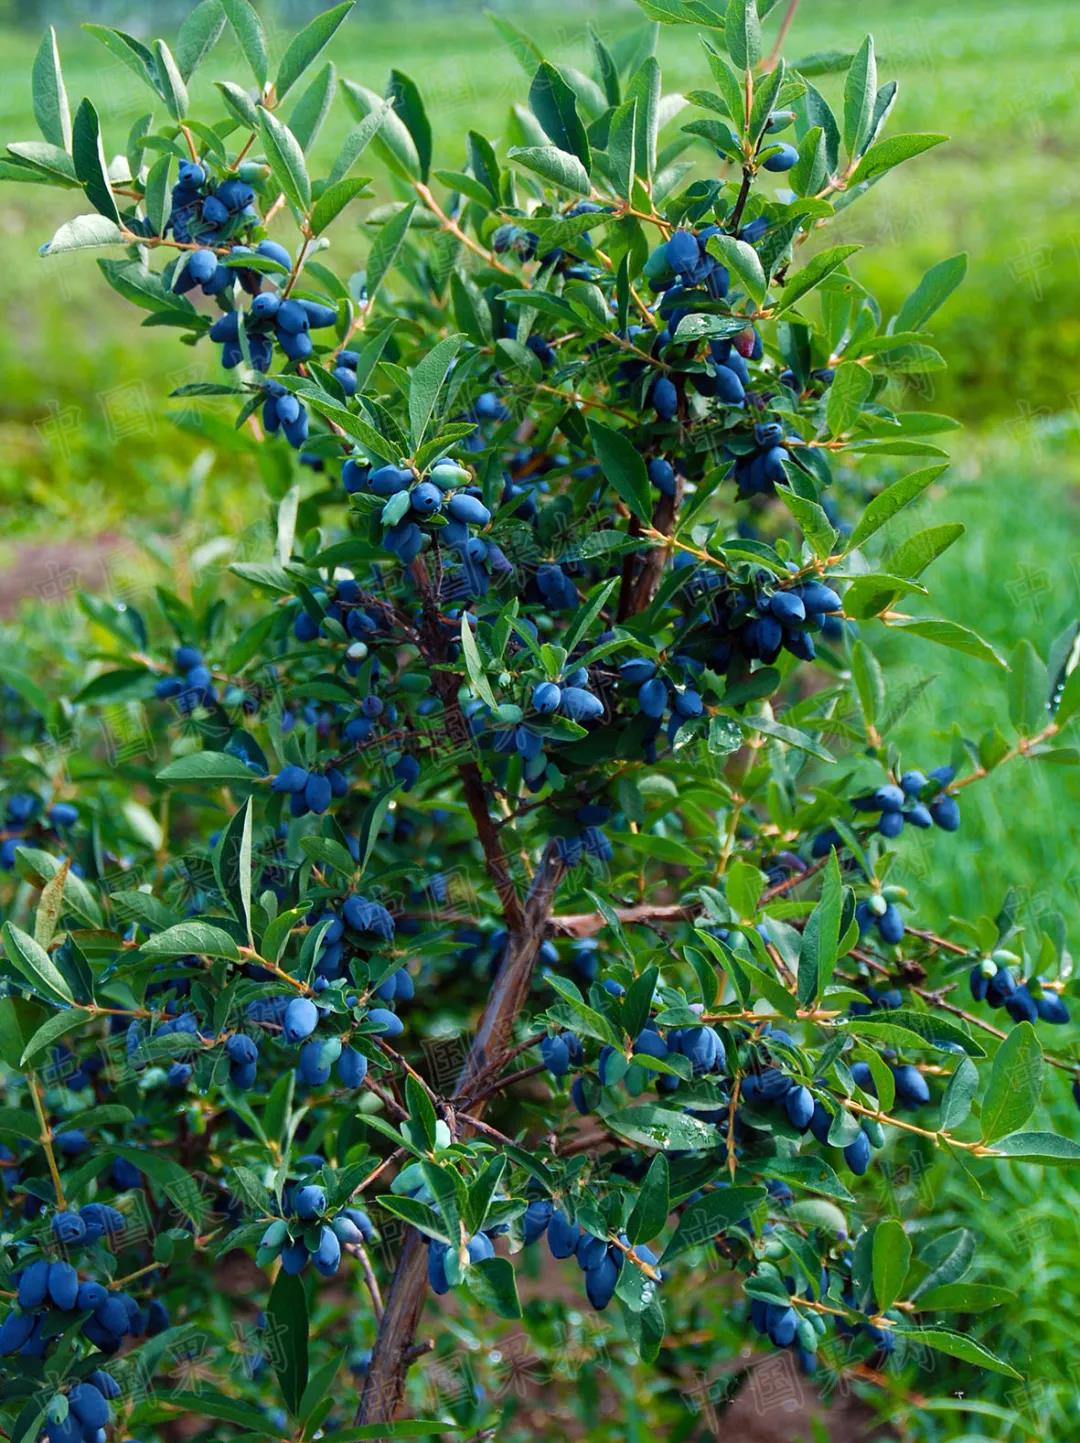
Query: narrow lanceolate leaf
x=645 y=89
x=474 y=665
x=913 y=556
x=307 y=45
x=812 y=274
x=392 y=143
x=891 y=1259
x=951 y=634
x=233 y=866
x=407 y=102
x=51 y=1030
x=251 y=35
x=815 y=525
x=742 y=33
x=240 y=103
x=385 y=248
x=624 y=468
x=555 y=106
x=427 y=382
x=31 y=960
x=850 y=388
x=620 y=147
x=286 y=160
x=821 y=936
x=743 y=259
x=358 y=140
x=1015 y=1083
x=88 y=153
x=1029 y=686
x=860 y=91
x=50 y=905
x=334 y=200
x=287 y=1310
x=198 y=35
x=309 y=112
x=960 y=1094
x=50 y=98
x=552 y=164
x=201 y=939
x=886 y=154
x=1045 y=1147
x=893 y=499
x=957 y=1345
x=170 y=81
x=936 y=286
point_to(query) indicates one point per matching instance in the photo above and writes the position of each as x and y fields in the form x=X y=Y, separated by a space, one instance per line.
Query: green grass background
x=84 y=446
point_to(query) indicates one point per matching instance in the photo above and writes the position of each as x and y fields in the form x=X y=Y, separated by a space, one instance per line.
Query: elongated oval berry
x=318 y=793
x=436 y=1268
x=653 y=697
x=891 y=924
x=291 y=778
x=799 y=1106
x=63 y=1285
x=300 y=1020
x=89 y=1406
x=682 y=252
x=662 y=475
x=857 y=1154
x=911 y=1088
x=665 y=398
x=386 y=1022
x=33 y=1284
x=787 y=607
x=562 y=1235
x=468 y=509
x=945 y=812
x=327 y=1256
x=782 y=159
x=600 y=1280
x=352 y=1067
x=546 y=696
x=580 y=705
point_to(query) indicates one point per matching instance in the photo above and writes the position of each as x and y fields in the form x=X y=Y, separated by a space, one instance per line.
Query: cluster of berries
x=598 y=1258
x=289 y=322
x=192 y=685
x=919 y=800
x=20 y=809
x=308 y=1233
x=310 y=791
x=992 y=980
x=208 y=212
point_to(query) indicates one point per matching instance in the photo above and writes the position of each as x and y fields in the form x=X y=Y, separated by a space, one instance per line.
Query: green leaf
x=88 y=154
x=410 y=107
x=821 y=936
x=50 y=98
x=200 y=939
x=790 y=736
x=814 y=524
x=306 y=46
x=358 y=140
x=233 y=866
x=287 y=1309
x=623 y=466
x=742 y=33
x=426 y=384
x=474 y=666
x=813 y=273
x=554 y=165
x=645 y=89
x=860 y=91
x=334 y=200
x=886 y=154
x=51 y=1030
x=131 y=52
x=492 y=1282
x=913 y=556
x=414 y=1212
x=701 y=1220
x=653 y=1203
x=965 y=1297
x=957 y=1345
x=249 y=32
x=952 y=635
x=170 y=81
x=934 y=1030
x=198 y=35
x=743 y=259
x=385 y=248
x=851 y=387
x=960 y=1094
x=555 y=106
x=936 y=286
x=309 y=112
x=34 y=963
x=1028 y=689
x=891 y=1259
x=391 y=141
x=240 y=103
x=286 y=159
x=1015 y=1084
x=1045 y=1147
x=620 y=153
x=893 y=499
x=207 y=767
x=649 y=1125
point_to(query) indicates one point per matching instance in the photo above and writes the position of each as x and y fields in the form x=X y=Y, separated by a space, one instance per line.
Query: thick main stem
x=384 y=1386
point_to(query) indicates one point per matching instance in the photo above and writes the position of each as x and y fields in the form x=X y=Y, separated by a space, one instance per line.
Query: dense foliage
x=519 y=877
